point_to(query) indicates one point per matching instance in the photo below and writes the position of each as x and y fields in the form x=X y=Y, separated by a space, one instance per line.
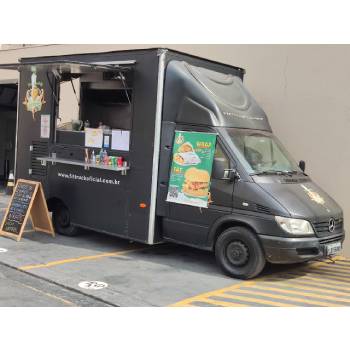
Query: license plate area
x=332 y=248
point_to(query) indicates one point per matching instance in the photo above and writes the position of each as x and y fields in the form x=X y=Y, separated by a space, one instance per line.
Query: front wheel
x=61 y=221
x=239 y=253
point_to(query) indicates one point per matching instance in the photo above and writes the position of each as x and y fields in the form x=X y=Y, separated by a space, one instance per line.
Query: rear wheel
x=239 y=253
x=61 y=221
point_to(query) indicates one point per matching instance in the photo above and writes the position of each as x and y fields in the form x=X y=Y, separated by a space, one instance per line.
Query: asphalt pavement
x=94 y=269
x=19 y=289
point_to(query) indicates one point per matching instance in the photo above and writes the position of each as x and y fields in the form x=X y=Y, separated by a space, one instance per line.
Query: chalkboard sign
x=18 y=209
x=27 y=200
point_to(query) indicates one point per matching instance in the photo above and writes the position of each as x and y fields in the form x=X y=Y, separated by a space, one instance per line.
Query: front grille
x=331 y=239
x=322 y=228
x=40 y=149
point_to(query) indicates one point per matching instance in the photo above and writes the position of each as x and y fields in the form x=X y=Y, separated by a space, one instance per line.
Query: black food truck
x=165 y=146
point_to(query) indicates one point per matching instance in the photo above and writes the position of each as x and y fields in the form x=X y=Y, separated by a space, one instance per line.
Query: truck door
x=221 y=190
x=190 y=224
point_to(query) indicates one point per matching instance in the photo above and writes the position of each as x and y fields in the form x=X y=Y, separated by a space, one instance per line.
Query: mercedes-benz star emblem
x=331 y=225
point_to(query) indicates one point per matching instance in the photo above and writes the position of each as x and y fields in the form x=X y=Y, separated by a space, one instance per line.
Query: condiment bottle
x=105 y=157
x=93 y=157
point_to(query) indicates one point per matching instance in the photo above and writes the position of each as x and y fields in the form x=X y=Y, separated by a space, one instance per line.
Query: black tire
x=239 y=253
x=61 y=221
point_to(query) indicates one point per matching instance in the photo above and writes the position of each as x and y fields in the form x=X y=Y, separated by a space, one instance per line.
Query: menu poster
x=93 y=137
x=28 y=200
x=19 y=207
x=190 y=173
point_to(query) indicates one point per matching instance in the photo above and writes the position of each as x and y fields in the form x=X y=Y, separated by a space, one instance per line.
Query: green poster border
x=196 y=201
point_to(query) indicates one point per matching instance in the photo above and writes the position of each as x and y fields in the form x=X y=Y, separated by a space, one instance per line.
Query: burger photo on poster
x=196 y=182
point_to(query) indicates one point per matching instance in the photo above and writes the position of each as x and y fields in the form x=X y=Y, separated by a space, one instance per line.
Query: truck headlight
x=295 y=226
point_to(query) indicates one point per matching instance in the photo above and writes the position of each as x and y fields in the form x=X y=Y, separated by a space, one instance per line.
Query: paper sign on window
x=45 y=126
x=93 y=137
x=120 y=140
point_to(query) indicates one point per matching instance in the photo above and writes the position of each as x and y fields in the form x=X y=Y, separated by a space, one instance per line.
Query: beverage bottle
x=101 y=156
x=105 y=157
x=93 y=157
x=87 y=158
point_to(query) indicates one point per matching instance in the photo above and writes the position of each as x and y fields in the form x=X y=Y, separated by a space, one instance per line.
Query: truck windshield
x=262 y=152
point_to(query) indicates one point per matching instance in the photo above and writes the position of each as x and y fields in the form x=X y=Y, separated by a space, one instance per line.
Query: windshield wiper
x=268 y=172
x=293 y=172
x=277 y=172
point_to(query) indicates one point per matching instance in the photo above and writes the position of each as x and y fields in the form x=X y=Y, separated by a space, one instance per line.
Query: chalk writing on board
x=18 y=208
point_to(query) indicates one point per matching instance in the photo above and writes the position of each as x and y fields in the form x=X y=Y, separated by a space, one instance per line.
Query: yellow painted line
x=314 y=268
x=343 y=259
x=307 y=279
x=305 y=294
x=81 y=258
x=206 y=295
x=310 y=287
x=328 y=274
x=219 y=303
x=322 y=281
x=337 y=263
x=340 y=261
x=300 y=276
x=285 y=297
x=255 y=300
x=327 y=277
x=333 y=273
x=334 y=260
x=335 y=269
x=343 y=263
x=64 y=301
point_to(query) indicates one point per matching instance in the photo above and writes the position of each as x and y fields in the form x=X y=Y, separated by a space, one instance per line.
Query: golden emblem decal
x=34 y=98
x=179 y=139
x=314 y=196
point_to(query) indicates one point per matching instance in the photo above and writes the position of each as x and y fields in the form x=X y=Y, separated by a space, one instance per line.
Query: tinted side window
x=221 y=157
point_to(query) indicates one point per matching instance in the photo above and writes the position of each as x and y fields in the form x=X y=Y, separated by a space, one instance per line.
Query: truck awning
x=73 y=67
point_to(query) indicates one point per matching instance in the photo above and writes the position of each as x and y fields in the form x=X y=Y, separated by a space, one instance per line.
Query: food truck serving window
x=89 y=96
x=94 y=106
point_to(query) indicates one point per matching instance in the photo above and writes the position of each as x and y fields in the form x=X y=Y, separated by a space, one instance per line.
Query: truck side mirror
x=231 y=175
x=221 y=171
x=302 y=165
x=219 y=166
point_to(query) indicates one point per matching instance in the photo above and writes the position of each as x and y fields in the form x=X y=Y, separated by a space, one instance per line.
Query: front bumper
x=282 y=250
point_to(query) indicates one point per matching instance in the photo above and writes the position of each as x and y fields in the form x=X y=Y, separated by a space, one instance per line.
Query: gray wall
x=304 y=89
